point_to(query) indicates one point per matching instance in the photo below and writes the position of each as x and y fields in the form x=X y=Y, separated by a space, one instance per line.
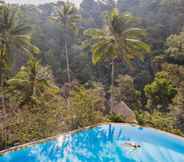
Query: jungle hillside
x=64 y=67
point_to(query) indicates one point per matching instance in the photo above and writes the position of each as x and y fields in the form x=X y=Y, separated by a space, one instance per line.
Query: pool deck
x=15 y=148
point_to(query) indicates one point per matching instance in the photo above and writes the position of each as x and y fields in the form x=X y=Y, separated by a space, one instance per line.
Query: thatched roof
x=123 y=110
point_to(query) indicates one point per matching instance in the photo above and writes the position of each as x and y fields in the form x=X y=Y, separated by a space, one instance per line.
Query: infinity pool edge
x=19 y=147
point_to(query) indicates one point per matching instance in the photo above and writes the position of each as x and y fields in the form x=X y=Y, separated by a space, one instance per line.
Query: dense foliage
x=63 y=67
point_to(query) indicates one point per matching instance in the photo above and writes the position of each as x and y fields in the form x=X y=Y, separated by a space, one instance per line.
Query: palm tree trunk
x=2 y=93
x=2 y=70
x=67 y=61
x=112 y=87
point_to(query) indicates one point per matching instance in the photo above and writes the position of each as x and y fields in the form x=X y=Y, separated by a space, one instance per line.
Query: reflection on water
x=104 y=144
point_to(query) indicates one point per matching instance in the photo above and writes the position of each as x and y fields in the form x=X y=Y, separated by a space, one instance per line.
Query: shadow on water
x=94 y=145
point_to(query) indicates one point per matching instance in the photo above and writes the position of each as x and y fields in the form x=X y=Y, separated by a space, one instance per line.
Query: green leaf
x=134 y=32
x=97 y=56
x=139 y=44
x=94 y=33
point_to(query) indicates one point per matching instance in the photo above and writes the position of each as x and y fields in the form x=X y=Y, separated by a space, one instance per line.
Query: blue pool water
x=105 y=143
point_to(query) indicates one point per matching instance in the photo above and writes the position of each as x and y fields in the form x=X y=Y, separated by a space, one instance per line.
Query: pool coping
x=16 y=148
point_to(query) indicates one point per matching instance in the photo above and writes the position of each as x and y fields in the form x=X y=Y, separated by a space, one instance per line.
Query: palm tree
x=14 y=35
x=32 y=85
x=117 y=40
x=67 y=16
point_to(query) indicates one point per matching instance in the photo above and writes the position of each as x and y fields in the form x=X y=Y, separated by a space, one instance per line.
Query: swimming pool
x=104 y=143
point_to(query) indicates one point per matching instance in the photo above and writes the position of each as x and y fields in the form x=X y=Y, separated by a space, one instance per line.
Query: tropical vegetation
x=64 y=67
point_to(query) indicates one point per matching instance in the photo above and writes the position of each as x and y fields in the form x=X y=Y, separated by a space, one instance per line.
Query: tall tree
x=117 y=40
x=68 y=17
x=175 y=51
x=32 y=85
x=160 y=93
x=14 y=36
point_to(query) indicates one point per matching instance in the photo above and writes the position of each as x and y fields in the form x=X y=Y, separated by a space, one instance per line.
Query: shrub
x=160 y=92
x=115 y=118
x=159 y=120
